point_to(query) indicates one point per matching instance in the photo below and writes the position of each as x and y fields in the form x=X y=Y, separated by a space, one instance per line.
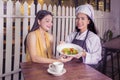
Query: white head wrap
x=86 y=9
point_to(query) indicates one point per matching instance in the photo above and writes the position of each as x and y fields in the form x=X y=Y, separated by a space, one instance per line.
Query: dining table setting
x=72 y=70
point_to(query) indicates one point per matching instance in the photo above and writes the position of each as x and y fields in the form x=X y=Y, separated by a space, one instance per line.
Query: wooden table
x=113 y=44
x=74 y=71
x=112 y=47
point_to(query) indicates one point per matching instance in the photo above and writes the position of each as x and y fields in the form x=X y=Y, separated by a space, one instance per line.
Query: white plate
x=60 y=47
x=56 y=74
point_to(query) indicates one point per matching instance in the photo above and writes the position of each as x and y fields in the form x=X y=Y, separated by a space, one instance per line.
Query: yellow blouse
x=41 y=51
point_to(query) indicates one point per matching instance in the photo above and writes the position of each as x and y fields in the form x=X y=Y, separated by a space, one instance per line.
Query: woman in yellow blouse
x=39 y=43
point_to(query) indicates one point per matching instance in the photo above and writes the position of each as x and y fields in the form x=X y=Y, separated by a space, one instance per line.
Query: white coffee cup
x=56 y=67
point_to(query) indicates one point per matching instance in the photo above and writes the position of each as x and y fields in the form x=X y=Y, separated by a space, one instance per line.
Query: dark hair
x=91 y=26
x=39 y=16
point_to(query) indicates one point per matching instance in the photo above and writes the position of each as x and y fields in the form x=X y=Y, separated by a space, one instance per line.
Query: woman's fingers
x=65 y=58
x=61 y=42
x=78 y=55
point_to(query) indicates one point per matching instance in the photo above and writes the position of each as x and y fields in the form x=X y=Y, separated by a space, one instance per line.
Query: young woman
x=39 y=42
x=86 y=35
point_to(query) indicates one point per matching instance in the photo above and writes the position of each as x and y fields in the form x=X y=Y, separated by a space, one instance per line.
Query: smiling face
x=82 y=22
x=46 y=23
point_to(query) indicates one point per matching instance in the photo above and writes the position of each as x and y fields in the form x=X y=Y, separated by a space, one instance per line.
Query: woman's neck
x=83 y=30
x=42 y=30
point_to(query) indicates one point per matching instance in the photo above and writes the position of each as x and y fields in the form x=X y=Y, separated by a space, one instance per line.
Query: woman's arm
x=93 y=56
x=93 y=53
x=51 y=44
x=31 y=45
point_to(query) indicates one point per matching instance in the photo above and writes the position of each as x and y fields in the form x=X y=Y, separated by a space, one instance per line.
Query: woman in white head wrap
x=85 y=35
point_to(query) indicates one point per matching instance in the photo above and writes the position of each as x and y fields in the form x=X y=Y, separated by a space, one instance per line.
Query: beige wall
x=115 y=13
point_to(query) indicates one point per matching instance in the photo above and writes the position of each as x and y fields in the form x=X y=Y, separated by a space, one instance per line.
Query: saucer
x=55 y=73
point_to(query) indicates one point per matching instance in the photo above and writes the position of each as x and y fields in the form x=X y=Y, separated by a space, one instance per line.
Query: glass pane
x=93 y=3
x=80 y=2
x=101 y=5
x=107 y=5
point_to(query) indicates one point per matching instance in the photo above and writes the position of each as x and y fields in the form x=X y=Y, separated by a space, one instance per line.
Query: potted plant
x=108 y=35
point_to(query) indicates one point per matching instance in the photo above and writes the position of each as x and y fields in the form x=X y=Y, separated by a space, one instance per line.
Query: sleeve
x=70 y=37
x=93 y=56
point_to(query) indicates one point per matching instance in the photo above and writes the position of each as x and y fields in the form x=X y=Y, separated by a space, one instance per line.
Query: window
x=103 y=5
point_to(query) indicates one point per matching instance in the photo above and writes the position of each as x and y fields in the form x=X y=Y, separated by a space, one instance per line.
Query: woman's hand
x=64 y=58
x=61 y=42
x=81 y=54
x=78 y=55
